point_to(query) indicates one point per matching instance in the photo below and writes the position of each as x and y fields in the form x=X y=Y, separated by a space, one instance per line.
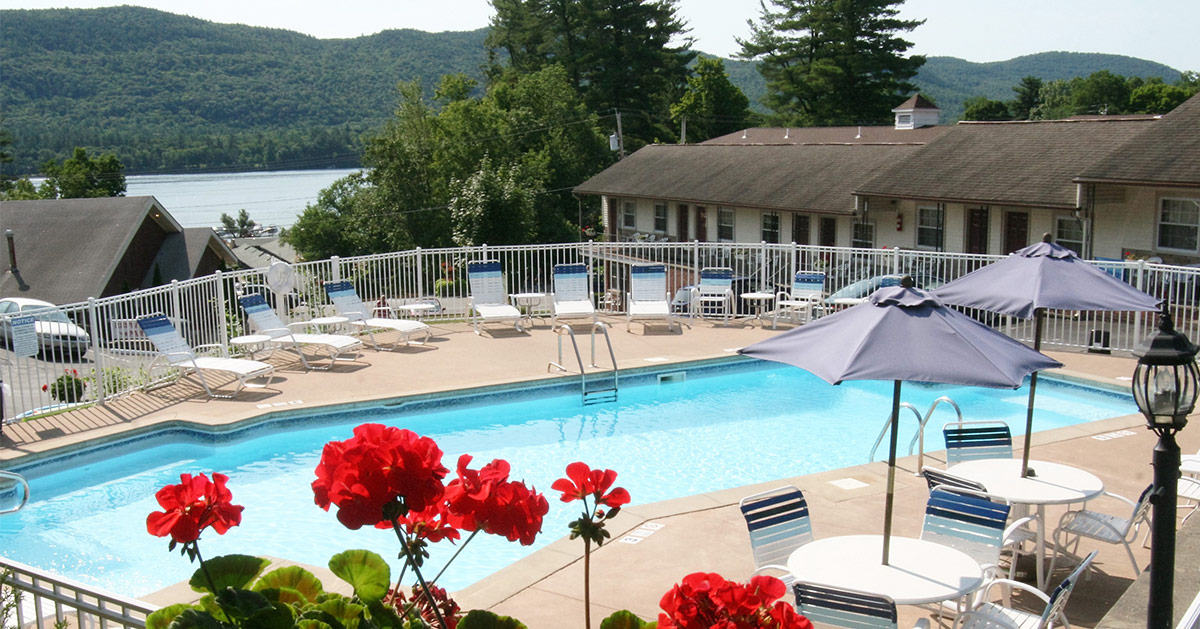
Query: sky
x=975 y=30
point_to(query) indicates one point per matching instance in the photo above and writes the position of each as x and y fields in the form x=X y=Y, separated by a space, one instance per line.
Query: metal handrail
x=887 y=424
x=603 y=328
x=13 y=476
x=921 y=430
x=579 y=359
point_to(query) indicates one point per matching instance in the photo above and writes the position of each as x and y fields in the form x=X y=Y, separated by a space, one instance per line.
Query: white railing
x=119 y=359
x=44 y=600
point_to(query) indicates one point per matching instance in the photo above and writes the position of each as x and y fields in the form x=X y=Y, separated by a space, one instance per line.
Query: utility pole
x=620 y=137
x=683 y=131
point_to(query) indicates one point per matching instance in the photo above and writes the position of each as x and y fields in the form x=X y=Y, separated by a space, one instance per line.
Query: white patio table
x=1051 y=484
x=918 y=571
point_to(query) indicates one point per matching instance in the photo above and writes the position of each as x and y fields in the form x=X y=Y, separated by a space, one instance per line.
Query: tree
x=982 y=108
x=494 y=205
x=832 y=62
x=6 y=180
x=1100 y=93
x=1156 y=97
x=1028 y=93
x=81 y=177
x=346 y=220
x=241 y=227
x=1054 y=101
x=712 y=105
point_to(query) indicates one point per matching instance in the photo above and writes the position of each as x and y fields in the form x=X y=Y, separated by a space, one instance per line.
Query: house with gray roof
x=67 y=250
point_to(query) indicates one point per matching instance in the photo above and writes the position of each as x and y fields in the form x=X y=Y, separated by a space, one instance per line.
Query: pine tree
x=712 y=105
x=832 y=62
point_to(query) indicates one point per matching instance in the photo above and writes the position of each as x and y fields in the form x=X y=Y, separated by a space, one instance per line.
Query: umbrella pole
x=891 y=477
x=1039 y=315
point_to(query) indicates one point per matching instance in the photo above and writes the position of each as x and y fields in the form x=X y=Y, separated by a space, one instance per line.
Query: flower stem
x=454 y=556
x=587 y=592
x=417 y=571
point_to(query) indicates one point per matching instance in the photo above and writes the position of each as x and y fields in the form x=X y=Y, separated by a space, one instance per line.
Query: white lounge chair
x=648 y=298
x=806 y=296
x=572 y=293
x=489 y=299
x=715 y=293
x=345 y=299
x=779 y=523
x=178 y=354
x=264 y=321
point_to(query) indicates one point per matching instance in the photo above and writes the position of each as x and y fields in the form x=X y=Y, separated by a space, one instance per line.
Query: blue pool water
x=723 y=426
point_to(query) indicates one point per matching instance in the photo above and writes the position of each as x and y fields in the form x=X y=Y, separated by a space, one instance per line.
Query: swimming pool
x=721 y=425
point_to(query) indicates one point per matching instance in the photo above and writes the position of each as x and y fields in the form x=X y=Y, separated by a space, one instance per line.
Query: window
x=931 y=224
x=864 y=236
x=660 y=218
x=1068 y=232
x=629 y=215
x=724 y=224
x=800 y=229
x=1179 y=224
x=770 y=227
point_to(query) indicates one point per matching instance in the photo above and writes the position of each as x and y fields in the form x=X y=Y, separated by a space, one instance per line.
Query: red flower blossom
x=193 y=505
x=486 y=500
x=582 y=481
x=705 y=600
x=379 y=466
x=431 y=524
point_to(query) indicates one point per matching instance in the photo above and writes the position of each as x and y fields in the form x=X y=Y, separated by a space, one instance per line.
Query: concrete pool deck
x=697 y=533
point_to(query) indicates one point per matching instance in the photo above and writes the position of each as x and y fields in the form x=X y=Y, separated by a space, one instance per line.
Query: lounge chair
x=779 y=523
x=345 y=299
x=715 y=293
x=648 y=298
x=489 y=299
x=178 y=354
x=264 y=321
x=838 y=607
x=572 y=293
x=807 y=296
x=969 y=441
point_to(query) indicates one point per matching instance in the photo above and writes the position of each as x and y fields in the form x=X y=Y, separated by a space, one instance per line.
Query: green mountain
x=171 y=92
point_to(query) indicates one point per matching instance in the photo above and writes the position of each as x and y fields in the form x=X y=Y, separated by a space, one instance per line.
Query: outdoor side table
x=250 y=344
x=416 y=310
x=918 y=571
x=1052 y=484
x=328 y=324
x=525 y=302
x=759 y=300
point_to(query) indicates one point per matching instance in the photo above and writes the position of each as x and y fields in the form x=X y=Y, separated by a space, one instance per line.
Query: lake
x=271 y=197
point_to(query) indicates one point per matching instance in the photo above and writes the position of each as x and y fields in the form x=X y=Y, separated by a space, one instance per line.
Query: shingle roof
x=1008 y=163
x=916 y=102
x=1166 y=153
x=830 y=135
x=67 y=248
x=815 y=178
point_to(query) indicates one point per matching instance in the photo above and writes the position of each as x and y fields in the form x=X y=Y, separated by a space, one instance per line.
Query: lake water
x=271 y=197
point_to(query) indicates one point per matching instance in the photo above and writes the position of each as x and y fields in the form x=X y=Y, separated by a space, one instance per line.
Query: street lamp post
x=1164 y=388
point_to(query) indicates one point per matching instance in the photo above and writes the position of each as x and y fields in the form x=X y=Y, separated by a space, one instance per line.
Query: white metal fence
x=43 y=600
x=119 y=359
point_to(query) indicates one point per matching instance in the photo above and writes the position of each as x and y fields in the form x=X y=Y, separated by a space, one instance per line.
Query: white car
x=56 y=333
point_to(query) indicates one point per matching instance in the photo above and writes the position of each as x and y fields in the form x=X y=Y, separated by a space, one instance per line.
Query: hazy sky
x=976 y=30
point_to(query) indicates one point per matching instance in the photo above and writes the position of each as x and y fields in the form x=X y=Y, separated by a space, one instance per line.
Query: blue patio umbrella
x=1042 y=276
x=903 y=333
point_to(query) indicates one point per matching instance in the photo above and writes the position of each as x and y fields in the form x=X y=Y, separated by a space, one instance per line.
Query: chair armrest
x=1121 y=498
x=1025 y=587
x=922 y=623
x=783 y=296
x=300 y=324
x=221 y=348
x=1011 y=528
x=769 y=568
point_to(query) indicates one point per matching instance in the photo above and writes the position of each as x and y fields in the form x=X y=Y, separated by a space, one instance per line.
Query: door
x=827 y=236
x=1016 y=231
x=800 y=229
x=977 y=230
x=701 y=224
x=681 y=222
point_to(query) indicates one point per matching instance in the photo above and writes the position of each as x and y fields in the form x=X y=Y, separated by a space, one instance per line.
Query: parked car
x=856 y=292
x=55 y=331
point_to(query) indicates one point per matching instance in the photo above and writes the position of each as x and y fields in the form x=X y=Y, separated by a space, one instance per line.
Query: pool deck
x=697 y=533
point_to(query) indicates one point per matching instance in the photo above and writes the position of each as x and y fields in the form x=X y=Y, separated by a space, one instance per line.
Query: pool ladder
x=8 y=484
x=920 y=434
x=602 y=386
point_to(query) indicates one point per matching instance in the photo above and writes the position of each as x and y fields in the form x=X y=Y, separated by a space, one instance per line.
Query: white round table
x=334 y=323
x=1051 y=484
x=527 y=301
x=918 y=571
x=251 y=344
x=759 y=300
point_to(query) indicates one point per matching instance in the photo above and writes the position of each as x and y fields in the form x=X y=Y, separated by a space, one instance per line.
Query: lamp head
x=1165 y=381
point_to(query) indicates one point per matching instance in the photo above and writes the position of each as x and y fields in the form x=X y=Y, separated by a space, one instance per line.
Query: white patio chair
x=572 y=293
x=348 y=304
x=182 y=357
x=264 y=321
x=1015 y=535
x=714 y=294
x=991 y=615
x=969 y=441
x=807 y=297
x=648 y=298
x=488 y=298
x=1104 y=527
x=778 y=522
x=838 y=607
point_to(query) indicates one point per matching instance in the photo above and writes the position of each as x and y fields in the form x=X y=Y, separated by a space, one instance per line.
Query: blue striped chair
x=715 y=293
x=778 y=523
x=837 y=607
x=969 y=441
x=990 y=615
x=806 y=296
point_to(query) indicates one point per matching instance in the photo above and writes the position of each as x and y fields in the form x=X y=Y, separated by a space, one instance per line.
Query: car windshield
x=43 y=313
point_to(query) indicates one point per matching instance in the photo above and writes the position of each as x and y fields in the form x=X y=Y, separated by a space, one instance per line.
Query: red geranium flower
x=431 y=524
x=193 y=505
x=582 y=481
x=379 y=466
x=486 y=500
x=705 y=600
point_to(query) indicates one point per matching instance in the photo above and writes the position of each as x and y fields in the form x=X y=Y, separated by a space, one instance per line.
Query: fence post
x=223 y=333
x=96 y=357
x=696 y=263
x=1140 y=275
x=791 y=266
x=895 y=260
x=762 y=268
x=420 y=274
x=177 y=312
x=335 y=267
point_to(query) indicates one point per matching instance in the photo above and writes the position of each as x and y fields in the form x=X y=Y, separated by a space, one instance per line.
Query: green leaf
x=344 y=611
x=365 y=571
x=309 y=623
x=623 y=619
x=242 y=603
x=277 y=616
x=295 y=578
x=385 y=615
x=285 y=595
x=483 y=619
x=160 y=619
x=228 y=571
x=196 y=619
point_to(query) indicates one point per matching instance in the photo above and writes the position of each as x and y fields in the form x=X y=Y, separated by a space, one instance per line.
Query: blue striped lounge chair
x=572 y=293
x=348 y=304
x=182 y=357
x=264 y=321
x=648 y=299
x=714 y=294
x=489 y=299
x=806 y=296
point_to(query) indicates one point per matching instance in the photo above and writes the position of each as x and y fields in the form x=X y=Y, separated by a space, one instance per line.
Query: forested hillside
x=170 y=92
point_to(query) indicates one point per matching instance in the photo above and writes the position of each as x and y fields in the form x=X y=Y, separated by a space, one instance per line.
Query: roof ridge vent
x=787 y=131
x=859 y=136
